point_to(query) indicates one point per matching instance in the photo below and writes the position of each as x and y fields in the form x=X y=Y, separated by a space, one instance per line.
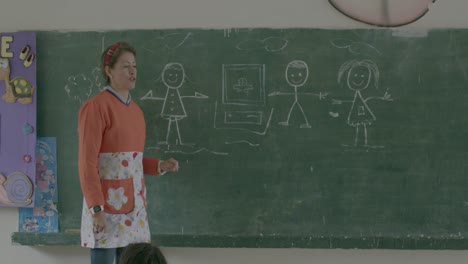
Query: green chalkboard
x=285 y=137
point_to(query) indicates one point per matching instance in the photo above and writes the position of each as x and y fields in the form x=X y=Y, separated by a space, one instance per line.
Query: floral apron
x=124 y=192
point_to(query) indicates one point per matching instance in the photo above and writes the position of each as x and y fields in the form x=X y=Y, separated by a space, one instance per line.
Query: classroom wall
x=65 y=15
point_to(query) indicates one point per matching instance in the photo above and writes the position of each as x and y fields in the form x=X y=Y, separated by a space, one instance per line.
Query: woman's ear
x=107 y=69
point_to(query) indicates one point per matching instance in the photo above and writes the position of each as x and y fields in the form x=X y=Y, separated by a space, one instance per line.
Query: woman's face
x=123 y=73
x=358 y=78
x=173 y=75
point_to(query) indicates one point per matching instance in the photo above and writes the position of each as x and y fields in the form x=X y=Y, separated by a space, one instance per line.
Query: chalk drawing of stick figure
x=297 y=73
x=359 y=75
x=173 y=76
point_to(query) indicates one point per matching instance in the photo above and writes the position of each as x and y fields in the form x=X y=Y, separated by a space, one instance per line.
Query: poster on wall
x=43 y=218
x=17 y=118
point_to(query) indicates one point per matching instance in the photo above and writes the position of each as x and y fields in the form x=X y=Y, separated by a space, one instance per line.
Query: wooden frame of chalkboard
x=423 y=243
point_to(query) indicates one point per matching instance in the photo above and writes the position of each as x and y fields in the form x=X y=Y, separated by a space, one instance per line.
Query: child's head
x=297 y=73
x=142 y=253
x=173 y=75
x=359 y=74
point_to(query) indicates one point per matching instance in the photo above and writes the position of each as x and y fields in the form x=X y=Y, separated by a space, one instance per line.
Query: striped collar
x=114 y=92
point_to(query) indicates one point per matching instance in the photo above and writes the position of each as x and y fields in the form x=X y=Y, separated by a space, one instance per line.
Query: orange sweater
x=107 y=125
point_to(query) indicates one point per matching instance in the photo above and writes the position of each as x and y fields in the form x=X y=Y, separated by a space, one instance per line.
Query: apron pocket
x=118 y=195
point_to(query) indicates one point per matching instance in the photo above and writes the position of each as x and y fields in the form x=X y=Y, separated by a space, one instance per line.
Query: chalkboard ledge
x=212 y=241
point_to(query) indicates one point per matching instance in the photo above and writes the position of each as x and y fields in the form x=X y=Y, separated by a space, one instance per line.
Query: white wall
x=19 y=15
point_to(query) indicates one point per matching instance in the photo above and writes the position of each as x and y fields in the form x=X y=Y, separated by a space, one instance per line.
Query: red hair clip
x=110 y=52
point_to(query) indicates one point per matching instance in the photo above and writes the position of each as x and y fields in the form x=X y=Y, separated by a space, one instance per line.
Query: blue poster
x=43 y=218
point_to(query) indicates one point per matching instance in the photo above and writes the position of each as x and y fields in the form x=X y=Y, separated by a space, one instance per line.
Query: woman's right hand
x=99 y=223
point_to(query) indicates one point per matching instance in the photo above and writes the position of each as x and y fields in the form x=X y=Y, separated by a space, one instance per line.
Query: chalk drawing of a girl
x=173 y=76
x=359 y=75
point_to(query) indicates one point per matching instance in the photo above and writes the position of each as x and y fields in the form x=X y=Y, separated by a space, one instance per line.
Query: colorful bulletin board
x=17 y=118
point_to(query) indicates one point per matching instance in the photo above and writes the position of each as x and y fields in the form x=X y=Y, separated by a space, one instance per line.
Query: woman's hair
x=112 y=53
x=142 y=253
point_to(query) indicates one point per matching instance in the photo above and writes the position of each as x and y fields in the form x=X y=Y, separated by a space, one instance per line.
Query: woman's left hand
x=169 y=165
